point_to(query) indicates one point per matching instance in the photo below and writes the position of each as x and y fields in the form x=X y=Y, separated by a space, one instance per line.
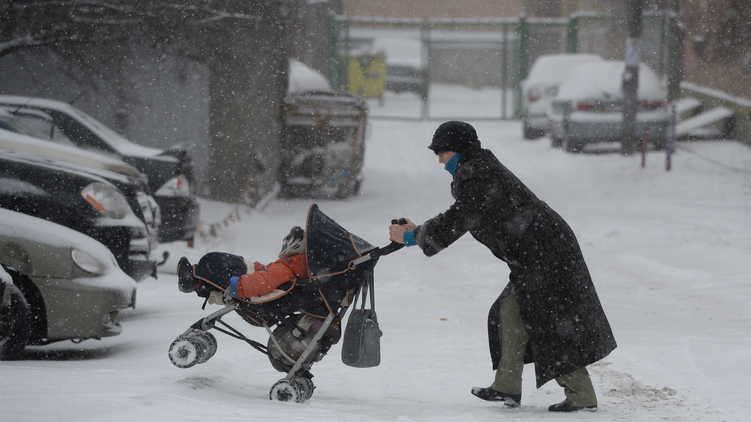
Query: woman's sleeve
x=446 y=228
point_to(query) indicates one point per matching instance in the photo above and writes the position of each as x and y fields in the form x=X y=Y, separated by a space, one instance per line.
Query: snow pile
x=303 y=78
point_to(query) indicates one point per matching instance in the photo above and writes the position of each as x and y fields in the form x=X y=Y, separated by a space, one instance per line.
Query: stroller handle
x=392 y=247
x=379 y=252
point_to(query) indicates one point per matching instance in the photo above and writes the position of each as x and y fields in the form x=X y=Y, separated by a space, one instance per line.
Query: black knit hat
x=454 y=136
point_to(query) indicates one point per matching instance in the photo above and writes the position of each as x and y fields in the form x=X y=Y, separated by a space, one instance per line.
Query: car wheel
x=14 y=322
x=571 y=145
x=529 y=133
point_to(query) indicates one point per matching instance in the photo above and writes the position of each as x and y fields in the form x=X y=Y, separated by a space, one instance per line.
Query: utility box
x=324 y=145
x=367 y=75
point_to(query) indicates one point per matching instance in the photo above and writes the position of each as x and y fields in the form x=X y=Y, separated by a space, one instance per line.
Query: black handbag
x=361 y=347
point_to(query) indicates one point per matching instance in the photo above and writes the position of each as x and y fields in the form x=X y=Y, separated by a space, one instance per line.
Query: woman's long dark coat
x=558 y=303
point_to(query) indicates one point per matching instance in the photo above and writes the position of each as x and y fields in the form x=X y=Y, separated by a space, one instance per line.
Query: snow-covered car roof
x=19 y=142
x=115 y=140
x=552 y=69
x=604 y=79
x=4 y=276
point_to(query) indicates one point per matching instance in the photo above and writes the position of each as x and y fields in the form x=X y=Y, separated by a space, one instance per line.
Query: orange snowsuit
x=267 y=278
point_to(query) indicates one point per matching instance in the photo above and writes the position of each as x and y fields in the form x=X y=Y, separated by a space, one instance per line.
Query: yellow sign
x=367 y=75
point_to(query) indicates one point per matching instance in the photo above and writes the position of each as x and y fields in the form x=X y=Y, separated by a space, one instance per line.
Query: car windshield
x=112 y=138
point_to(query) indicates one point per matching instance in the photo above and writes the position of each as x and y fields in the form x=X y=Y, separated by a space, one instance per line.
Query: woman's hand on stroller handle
x=398 y=227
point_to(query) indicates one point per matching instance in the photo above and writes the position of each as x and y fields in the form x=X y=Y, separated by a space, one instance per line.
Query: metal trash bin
x=324 y=145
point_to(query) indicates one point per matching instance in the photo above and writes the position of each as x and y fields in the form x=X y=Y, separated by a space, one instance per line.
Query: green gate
x=492 y=56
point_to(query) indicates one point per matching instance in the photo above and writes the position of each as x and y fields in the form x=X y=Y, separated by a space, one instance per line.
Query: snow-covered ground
x=670 y=254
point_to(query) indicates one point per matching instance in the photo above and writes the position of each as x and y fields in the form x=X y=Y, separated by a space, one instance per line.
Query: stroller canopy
x=330 y=248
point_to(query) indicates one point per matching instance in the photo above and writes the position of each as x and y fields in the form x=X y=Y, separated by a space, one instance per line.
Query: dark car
x=403 y=78
x=56 y=191
x=126 y=177
x=323 y=145
x=169 y=171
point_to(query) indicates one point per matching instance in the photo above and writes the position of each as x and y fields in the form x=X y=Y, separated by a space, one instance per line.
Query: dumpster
x=367 y=75
x=323 y=145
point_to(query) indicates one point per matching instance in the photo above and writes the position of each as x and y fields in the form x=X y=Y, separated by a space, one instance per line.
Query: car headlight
x=86 y=261
x=176 y=186
x=106 y=200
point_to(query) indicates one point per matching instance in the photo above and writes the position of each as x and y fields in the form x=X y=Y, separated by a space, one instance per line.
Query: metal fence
x=489 y=57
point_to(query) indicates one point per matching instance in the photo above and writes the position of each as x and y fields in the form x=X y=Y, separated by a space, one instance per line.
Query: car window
x=78 y=133
x=33 y=123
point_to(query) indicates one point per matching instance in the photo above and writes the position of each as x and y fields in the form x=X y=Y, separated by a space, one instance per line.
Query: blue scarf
x=452 y=164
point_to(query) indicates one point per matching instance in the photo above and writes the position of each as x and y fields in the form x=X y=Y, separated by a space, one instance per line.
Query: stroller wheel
x=285 y=390
x=306 y=386
x=185 y=352
x=207 y=342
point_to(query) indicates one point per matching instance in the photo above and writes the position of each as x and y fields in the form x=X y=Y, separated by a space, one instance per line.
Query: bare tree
x=242 y=42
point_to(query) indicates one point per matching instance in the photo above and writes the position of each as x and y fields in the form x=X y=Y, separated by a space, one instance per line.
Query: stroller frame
x=197 y=345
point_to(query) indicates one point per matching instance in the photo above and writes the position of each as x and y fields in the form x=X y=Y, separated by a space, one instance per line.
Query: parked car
x=169 y=171
x=56 y=284
x=403 y=78
x=125 y=177
x=589 y=106
x=541 y=85
x=58 y=191
x=404 y=67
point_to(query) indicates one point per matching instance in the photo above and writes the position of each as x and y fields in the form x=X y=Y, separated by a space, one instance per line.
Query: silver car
x=589 y=106
x=64 y=285
x=541 y=86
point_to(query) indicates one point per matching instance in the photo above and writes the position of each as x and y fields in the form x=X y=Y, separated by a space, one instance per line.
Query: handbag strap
x=366 y=285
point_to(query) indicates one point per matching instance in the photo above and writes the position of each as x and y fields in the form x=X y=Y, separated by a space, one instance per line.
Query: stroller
x=305 y=321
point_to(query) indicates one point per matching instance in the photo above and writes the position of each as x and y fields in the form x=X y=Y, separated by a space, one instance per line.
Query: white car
x=589 y=106
x=541 y=85
x=63 y=285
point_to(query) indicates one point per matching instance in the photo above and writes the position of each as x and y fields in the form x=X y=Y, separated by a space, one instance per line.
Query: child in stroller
x=222 y=277
x=302 y=296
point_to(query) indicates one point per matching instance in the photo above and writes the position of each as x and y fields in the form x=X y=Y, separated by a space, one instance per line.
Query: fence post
x=523 y=33
x=630 y=78
x=572 y=35
x=334 y=62
x=425 y=61
x=670 y=141
x=346 y=57
x=504 y=72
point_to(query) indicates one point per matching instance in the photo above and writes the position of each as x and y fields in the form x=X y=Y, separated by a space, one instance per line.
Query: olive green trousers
x=577 y=385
